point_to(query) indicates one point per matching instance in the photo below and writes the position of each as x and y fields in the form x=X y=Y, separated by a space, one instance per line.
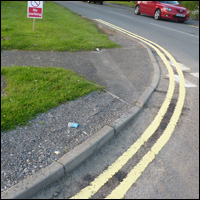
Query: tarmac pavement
x=130 y=74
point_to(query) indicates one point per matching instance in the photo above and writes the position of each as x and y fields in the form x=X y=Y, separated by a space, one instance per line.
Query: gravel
x=46 y=138
x=25 y=150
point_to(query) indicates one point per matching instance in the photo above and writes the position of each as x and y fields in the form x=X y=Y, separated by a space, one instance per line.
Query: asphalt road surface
x=181 y=40
x=174 y=173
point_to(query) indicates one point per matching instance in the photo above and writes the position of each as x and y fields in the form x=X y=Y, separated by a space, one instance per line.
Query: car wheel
x=137 y=10
x=157 y=14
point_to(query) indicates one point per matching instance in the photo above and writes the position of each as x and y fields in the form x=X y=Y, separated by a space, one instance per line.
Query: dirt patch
x=4 y=38
x=106 y=30
x=101 y=28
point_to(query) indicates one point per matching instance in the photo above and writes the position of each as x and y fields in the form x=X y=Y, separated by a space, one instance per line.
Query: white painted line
x=183 y=67
x=175 y=30
x=195 y=74
x=187 y=83
x=120 y=14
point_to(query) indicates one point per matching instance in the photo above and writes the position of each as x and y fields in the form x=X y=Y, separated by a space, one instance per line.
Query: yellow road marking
x=176 y=65
x=134 y=174
x=194 y=26
x=122 y=160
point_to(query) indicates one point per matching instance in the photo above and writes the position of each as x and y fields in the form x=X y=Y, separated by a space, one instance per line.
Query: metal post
x=33 y=24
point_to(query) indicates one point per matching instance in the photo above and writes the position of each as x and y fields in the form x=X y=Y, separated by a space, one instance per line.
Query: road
x=174 y=173
x=181 y=40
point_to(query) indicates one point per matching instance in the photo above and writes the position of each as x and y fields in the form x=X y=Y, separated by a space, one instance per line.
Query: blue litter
x=72 y=125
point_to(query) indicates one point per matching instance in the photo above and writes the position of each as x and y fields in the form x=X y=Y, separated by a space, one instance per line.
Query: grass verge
x=192 y=6
x=33 y=90
x=124 y=3
x=59 y=30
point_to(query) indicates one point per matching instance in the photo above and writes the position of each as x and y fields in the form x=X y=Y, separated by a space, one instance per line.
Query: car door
x=151 y=7
x=143 y=7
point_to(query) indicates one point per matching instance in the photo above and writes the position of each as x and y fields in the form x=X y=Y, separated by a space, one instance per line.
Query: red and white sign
x=35 y=9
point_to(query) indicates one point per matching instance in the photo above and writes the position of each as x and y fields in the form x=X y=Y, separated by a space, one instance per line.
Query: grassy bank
x=193 y=6
x=124 y=3
x=59 y=30
x=33 y=90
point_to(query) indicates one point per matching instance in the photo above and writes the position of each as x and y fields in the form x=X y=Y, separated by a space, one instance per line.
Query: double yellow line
x=194 y=26
x=135 y=173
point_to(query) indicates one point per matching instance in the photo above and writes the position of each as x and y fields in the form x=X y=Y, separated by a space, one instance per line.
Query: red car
x=163 y=9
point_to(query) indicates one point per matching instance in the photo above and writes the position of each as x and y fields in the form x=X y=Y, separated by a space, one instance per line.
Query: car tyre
x=137 y=10
x=157 y=14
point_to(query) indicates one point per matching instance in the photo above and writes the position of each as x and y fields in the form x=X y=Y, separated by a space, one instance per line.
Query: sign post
x=33 y=24
x=35 y=10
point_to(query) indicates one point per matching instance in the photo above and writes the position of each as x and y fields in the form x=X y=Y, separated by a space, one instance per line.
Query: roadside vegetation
x=34 y=90
x=193 y=6
x=124 y=3
x=59 y=30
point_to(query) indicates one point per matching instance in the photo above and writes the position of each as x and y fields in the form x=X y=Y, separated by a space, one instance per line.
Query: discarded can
x=72 y=125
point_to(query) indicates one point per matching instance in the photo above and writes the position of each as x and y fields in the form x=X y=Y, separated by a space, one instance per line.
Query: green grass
x=59 y=30
x=124 y=3
x=34 y=90
x=193 y=6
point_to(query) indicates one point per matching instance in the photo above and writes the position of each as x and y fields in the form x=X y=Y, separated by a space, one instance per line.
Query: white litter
x=56 y=152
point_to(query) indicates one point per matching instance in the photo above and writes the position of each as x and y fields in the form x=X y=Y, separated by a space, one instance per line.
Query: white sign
x=35 y=9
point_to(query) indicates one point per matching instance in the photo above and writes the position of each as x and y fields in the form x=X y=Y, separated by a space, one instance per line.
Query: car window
x=170 y=2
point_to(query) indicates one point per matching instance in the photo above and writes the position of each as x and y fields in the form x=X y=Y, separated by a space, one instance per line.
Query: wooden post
x=33 y=24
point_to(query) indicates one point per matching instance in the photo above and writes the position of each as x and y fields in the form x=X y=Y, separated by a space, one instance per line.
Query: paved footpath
x=35 y=155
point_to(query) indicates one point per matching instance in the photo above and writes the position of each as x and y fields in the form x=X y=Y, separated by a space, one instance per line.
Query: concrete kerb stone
x=29 y=186
x=120 y=123
x=154 y=82
x=155 y=79
x=144 y=97
x=51 y=173
x=77 y=155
